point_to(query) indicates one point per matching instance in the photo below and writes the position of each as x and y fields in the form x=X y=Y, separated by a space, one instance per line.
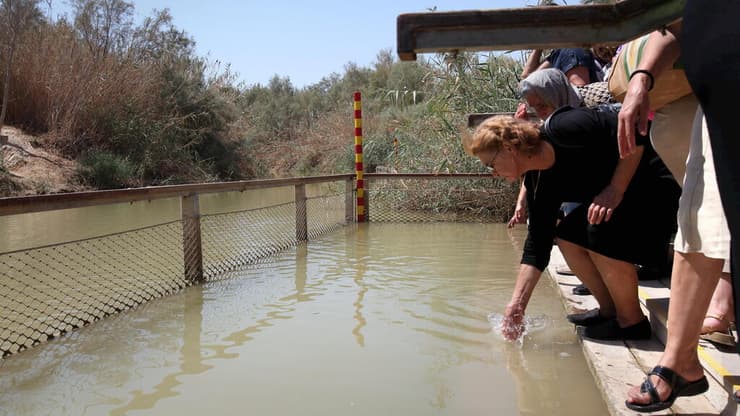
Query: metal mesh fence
x=325 y=213
x=233 y=239
x=450 y=199
x=48 y=291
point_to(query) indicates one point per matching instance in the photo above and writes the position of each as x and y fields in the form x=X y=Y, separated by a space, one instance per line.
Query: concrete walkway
x=617 y=365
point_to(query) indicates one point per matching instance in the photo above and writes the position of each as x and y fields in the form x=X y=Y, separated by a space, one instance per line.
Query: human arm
x=533 y=63
x=513 y=322
x=543 y=213
x=520 y=211
x=603 y=205
x=660 y=53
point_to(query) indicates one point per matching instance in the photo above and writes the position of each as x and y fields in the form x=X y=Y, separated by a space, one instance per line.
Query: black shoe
x=588 y=318
x=581 y=290
x=610 y=330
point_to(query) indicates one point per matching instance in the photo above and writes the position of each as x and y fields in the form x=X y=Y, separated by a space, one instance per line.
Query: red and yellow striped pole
x=358 y=158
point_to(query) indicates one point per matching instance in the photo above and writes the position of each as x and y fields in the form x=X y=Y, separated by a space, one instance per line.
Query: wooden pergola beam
x=531 y=27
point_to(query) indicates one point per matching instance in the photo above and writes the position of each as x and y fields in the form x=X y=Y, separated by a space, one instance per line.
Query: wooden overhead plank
x=531 y=27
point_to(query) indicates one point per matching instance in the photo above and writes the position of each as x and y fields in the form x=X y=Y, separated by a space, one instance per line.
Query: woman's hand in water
x=513 y=322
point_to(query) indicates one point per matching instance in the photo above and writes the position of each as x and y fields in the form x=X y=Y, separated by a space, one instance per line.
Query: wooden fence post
x=191 y=240
x=301 y=217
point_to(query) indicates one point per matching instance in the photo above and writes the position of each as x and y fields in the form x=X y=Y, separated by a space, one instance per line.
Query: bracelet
x=646 y=72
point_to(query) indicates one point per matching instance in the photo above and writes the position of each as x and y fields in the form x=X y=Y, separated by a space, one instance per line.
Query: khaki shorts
x=670 y=133
x=702 y=226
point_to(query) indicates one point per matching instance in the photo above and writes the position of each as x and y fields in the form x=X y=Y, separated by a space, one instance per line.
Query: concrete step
x=617 y=365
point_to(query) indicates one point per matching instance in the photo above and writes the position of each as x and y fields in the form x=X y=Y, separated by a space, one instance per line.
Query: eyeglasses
x=490 y=165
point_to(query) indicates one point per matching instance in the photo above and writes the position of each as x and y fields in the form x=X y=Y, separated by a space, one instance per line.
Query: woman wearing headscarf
x=544 y=91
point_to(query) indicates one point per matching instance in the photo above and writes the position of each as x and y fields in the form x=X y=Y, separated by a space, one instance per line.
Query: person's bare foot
x=714 y=323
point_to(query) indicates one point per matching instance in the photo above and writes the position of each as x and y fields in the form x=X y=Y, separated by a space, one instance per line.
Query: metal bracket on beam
x=532 y=27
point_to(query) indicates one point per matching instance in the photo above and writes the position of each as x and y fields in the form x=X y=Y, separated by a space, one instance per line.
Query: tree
x=158 y=38
x=104 y=25
x=16 y=17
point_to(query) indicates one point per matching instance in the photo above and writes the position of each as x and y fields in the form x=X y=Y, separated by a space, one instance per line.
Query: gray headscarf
x=552 y=87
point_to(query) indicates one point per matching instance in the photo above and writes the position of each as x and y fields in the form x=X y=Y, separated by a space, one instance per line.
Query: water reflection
x=191 y=361
x=372 y=319
x=536 y=369
x=360 y=247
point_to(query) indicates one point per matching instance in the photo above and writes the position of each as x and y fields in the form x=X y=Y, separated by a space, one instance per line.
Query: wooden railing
x=27 y=204
x=190 y=206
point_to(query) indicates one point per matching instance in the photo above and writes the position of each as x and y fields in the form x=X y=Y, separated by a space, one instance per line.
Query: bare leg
x=693 y=280
x=720 y=313
x=620 y=277
x=582 y=265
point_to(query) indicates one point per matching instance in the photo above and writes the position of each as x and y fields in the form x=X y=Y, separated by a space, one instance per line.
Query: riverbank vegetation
x=135 y=105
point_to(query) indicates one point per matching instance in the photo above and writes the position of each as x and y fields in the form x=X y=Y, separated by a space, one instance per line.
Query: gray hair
x=552 y=87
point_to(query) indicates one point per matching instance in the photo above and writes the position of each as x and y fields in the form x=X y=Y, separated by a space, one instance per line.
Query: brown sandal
x=721 y=336
x=720 y=318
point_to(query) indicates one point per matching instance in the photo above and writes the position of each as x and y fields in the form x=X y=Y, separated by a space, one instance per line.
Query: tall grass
x=63 y=90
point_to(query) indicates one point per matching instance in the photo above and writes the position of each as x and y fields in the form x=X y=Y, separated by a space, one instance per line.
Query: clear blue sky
x=304 y=40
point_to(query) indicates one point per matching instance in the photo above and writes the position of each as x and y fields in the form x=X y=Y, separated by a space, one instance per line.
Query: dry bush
x=62 y=89
x=325 y=148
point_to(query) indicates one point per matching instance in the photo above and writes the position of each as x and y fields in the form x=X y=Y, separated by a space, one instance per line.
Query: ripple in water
x=532 y=324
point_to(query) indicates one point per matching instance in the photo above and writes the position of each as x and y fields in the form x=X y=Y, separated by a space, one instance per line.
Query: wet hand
x=512 y=326
x=604 y=204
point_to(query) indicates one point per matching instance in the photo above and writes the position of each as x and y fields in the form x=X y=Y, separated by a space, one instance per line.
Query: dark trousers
x=710 y=52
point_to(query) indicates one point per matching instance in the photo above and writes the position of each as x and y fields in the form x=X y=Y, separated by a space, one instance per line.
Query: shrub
x=104 y=170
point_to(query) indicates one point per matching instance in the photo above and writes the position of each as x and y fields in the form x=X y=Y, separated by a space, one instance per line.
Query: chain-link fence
x=428 y=198
x=233 y=239
x=50 y=290
x=46 y=291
